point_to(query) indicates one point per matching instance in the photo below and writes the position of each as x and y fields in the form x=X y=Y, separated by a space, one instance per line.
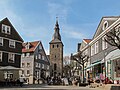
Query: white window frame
x=27 y=54
x=92 y=50
x=43 y=57
x=11 y=59
x=36 y=57
x=11 y=43
x=23 y=55
x=96 y=47
x=28 y=64
x=104 y=43
x=36 y=64
x=6 y=29
x=1 y=41
x=27 y=72
x=39 y=56
x=43 y=66
x=23 y=65
x=1 y=56
x=48 y=67
x=105 y=23
x=39 y=65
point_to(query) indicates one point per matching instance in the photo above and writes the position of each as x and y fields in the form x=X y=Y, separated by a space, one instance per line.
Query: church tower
x=56 y=52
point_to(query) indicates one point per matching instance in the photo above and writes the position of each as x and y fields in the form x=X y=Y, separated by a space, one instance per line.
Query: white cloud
x=57 y=9
x=73 y=32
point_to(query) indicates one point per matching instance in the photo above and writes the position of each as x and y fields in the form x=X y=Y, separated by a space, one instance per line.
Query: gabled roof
x=87 y=40
x=32 y=47
x=110 y=19
x=7 y=20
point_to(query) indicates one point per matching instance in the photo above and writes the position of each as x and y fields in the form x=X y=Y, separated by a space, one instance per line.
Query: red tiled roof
x=87 y=40
x=32 y=46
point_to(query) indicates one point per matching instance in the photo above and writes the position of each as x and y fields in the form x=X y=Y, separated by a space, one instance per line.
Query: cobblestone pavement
x=47 y=87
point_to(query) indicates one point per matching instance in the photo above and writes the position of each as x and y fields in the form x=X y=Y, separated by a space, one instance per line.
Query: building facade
x=10 y=50
x=102 y=61
x=103 y=58
x=56 y=52
x=34 y=63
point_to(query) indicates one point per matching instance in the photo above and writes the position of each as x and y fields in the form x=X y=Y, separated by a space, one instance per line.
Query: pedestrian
x=21 y=80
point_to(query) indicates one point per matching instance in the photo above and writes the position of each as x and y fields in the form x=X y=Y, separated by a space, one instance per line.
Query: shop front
x=9 y=73
x=113 y=65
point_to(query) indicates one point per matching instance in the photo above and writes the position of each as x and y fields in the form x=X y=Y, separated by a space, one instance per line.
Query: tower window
x=57 y=45
x=55 y=66
x=53 y=46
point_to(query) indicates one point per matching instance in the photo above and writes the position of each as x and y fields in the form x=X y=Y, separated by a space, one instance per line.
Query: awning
x=9 y=68
x=113 y=55
x=96 y=63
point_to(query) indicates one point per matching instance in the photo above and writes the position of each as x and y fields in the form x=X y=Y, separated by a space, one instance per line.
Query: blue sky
x=78 y=19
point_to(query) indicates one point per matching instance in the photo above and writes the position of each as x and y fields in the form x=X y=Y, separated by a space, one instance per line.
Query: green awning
x=96 y=63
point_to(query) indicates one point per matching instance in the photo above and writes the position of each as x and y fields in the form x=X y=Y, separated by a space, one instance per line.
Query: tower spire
x=56 y=34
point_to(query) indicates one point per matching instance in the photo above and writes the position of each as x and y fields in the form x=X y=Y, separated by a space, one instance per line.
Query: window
x=23 y=55
x=27 y=46
x=36 y=64
x=55 y=66
x=5 y=29
x=36 y=57
x=104 y=43
x=1 y=41
x=12 y=43
x=22 y=71
x=28 y=64
x=43 y=58
x=0 y=56
x=27 y=54
x=47 y=66
x=105 y=25
x=11 y=58
x=92 y=49
x=28 y=71
x=43 y=66
x=23 y=64
x=39 y=65
x=53 y=46
x=40 y=56
x=57 y=45
x=96 y=47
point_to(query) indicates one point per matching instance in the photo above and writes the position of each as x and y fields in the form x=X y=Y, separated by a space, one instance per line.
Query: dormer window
x=27 y=46
x=5 y=29
x=105 y=25
x=11 y=43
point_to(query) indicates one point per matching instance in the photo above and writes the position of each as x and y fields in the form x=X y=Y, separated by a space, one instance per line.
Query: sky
x=78 y=19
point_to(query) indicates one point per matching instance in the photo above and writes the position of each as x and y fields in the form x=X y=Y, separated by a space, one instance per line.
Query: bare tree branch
x=113 y=37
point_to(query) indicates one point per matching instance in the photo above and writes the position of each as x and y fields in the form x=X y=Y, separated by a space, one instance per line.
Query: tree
x=67 y=70
x=113 y=37
x=81 y=59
